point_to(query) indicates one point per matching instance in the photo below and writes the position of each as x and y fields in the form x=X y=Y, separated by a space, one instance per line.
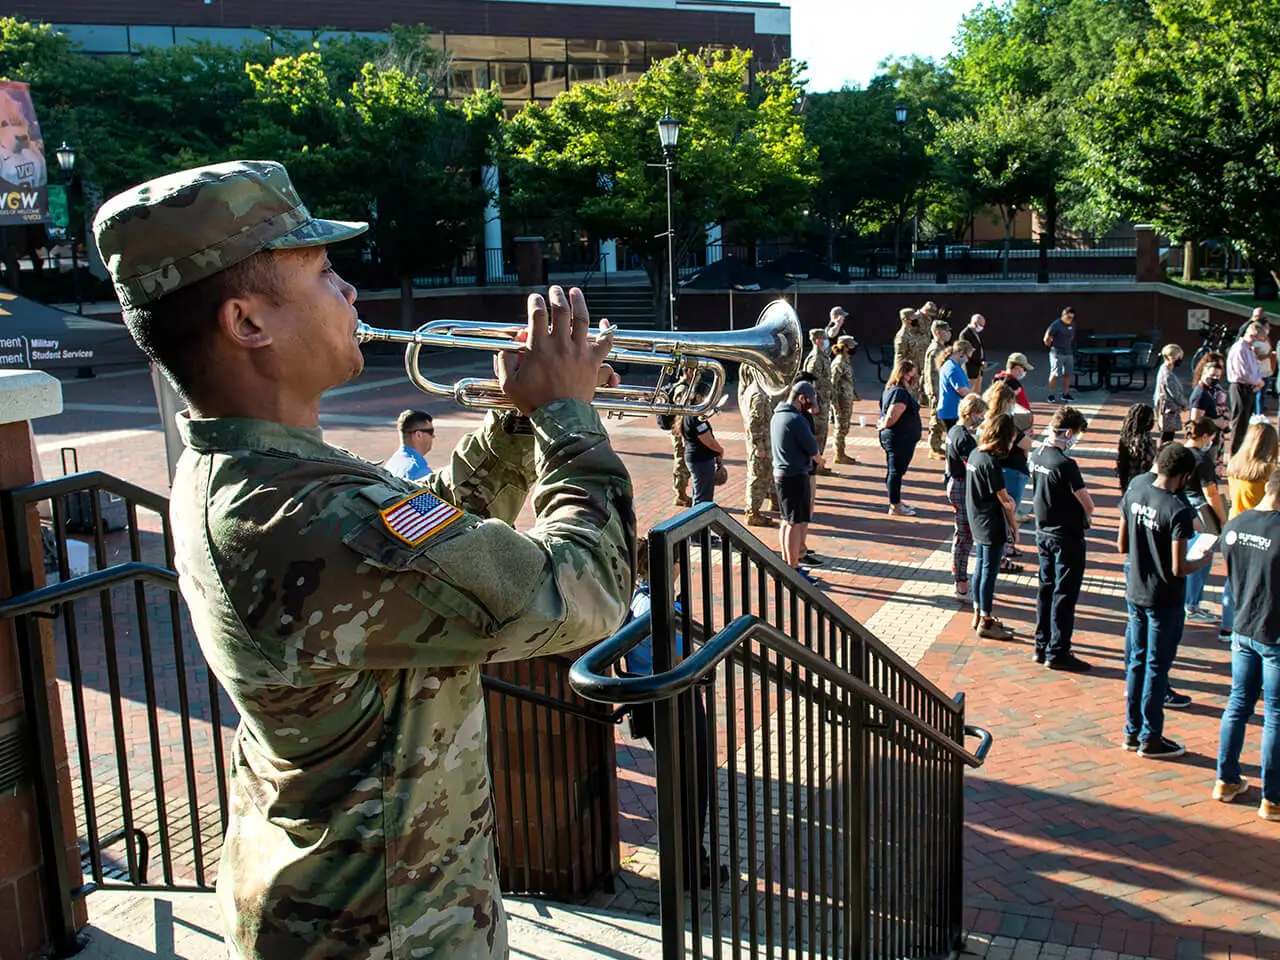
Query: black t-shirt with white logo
x=983 y=482
x=960 y=443
x=1057 y=478
x=1155 y=519
x=1251 y=544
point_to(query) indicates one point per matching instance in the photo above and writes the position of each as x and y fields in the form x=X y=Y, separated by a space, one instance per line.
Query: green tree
x=1184 y=133
x=1004 y=158
x=742 y=158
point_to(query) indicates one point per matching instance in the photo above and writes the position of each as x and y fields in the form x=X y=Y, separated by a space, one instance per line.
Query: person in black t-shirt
x=1251 y=544
x=900 y=431
x=1155 y=525
x=960 y=443
x=702 y=451
x=1202 y=493
x=1062 y=508
x=990 y=511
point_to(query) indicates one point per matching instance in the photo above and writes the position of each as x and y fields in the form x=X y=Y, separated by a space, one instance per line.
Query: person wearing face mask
x=1170 y=398
x=1267 y=360
x=961 y=442
x=972 y=335
x=1155 y=527
x=818 y=363
x=1063 y=507
x=910 y=344
x=795 y=451
x=900 y=430
x=1245 y=379
x=1202 y=493
x=932 y=360
x=1209 y=394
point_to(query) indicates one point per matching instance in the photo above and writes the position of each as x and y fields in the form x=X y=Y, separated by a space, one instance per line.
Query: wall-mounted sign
x=1198 y=319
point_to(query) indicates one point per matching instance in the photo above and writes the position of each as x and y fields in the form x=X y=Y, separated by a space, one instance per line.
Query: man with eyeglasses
x=416 y=437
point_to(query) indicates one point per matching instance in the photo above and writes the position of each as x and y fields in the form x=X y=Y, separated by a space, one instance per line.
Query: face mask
x=1068 y=441
x=1262 y=348
x=1177 y=363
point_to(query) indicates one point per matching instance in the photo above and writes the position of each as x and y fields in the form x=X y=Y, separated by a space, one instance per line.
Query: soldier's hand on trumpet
x=563 y=360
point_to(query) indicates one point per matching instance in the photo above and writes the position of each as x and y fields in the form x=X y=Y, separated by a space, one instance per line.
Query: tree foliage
x=588 y=157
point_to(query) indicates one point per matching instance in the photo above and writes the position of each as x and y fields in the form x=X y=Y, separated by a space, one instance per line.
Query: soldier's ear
x=240 y=323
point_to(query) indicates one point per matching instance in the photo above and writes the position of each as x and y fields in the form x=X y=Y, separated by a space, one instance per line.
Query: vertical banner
x=24 y=174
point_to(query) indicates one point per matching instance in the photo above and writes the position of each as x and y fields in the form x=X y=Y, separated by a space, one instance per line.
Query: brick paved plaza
x=1074 y=847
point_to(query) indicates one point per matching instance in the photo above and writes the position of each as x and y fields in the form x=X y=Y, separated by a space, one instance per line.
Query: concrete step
x=128 y=926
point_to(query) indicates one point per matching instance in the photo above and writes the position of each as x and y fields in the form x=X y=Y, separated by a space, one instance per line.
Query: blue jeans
x=1016 y=484
x=986 y=567
x=703 y=473
x=1195 y=586
x=1150 y=644
x=1228 y=608
x=898 y=451
x=1061 y=573
x=1255 y=669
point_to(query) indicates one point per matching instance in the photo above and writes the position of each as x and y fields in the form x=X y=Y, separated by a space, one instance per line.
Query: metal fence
x=827 y=775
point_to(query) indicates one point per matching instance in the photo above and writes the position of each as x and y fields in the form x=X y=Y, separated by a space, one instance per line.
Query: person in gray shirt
x=795 y=451
x=1060 y=338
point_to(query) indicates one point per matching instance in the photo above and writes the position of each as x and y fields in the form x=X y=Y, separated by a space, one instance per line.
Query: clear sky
x=844 y=40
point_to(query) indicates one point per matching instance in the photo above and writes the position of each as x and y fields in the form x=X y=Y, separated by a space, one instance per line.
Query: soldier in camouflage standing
x=347 y=611
x=909 y=344
x=757 y=414
x=679 y=392
x=844 y=393
x=941 y=331
x=818 y=363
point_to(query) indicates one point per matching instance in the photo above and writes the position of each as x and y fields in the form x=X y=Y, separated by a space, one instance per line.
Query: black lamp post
x=900 y=116
x=67 y=162
x=669 y=133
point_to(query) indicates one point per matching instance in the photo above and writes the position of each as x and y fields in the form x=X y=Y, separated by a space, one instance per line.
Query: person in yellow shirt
x=1247 y=473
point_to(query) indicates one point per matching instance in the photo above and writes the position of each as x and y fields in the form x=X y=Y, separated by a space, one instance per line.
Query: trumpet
x=772 y=347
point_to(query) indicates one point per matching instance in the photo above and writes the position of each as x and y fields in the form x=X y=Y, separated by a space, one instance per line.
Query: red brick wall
x=23 y=925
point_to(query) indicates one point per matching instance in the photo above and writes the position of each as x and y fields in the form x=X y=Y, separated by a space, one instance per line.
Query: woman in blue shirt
x=953 y=382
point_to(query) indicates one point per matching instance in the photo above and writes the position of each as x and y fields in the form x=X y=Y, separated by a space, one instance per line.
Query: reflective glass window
x=606 y=49
x=476 y=47
x=547 y=48
x=661 y=49
x=549 y=79
x=226 y=36
x=141 y=37
x=468 y=75
x=512 y=79
x=96 y=38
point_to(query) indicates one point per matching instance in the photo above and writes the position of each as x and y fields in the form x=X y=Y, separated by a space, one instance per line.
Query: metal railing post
x=55 y=877
x=671 y=839
x=956 y=887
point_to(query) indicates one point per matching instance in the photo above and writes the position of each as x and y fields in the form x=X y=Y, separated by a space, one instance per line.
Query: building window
x=471 y=47
x=512 y=79
x=226 y=36
x=549 y=79
x=467 y=76
x=96 y=38
x=606 y=50
x=661 y=49
x=142 y=37
x=547 y=48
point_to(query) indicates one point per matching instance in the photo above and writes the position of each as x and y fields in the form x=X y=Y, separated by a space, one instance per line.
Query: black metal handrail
x=589 y=679
x=42 y=601
x=89 y=480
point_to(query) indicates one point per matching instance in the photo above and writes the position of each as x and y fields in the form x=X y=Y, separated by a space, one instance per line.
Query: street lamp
x=900 y=117
x=67 y=163
x=668 y=134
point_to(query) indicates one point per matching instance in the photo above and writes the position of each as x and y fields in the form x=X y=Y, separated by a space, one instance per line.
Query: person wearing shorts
x=795 y=451
x=1060 y=338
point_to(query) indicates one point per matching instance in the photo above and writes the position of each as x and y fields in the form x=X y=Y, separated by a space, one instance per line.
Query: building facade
x=530 y=49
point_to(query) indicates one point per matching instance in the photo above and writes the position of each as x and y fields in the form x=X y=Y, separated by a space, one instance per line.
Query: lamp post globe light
x=900 y=117
x=67 y=164
x=668 y=134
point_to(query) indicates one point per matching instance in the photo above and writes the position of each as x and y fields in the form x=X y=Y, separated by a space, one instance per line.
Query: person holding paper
x=1202 y=493
x=1155 y=525
x=1250 y=543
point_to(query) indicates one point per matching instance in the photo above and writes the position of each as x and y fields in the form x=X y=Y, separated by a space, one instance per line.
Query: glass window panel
x=627 y=72
x=549 y=79
x=466 y=76
x=661 y=49
x=225 y=36
x=547 y=48
x=606 y=50
x=141 y=37
x=476 y=47
x=512 y=79
x=96 y=38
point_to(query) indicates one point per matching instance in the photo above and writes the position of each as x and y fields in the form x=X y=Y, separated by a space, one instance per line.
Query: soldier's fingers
x=579 y=315
x=602 y=344
x=561 y=317
x=537 y=308
x=505 y=364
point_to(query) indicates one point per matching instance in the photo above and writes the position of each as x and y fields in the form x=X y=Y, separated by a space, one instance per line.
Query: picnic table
x=1106 y=357
x=1104 y=338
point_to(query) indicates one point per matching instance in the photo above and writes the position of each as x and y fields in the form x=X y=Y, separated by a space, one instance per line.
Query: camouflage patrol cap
x=817 y=333
x=176 y=230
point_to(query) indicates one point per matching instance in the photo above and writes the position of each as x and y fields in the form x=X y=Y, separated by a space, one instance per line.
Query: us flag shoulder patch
x=419 y=517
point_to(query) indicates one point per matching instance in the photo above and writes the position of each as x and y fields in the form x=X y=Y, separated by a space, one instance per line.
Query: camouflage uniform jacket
x=818 y=362
x=361 y=820
x=842 y=384
x=930 y=376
